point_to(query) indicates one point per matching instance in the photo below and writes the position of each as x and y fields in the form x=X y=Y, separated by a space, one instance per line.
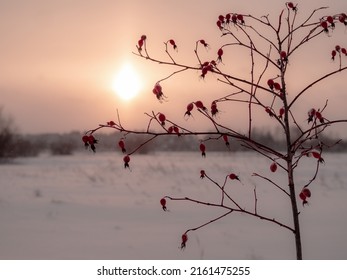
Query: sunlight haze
x=62 y=61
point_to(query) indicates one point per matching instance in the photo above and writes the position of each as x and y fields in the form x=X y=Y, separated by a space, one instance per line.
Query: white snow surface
x=88 y=206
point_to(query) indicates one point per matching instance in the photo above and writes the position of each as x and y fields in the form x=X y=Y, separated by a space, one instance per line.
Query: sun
x=127 y=84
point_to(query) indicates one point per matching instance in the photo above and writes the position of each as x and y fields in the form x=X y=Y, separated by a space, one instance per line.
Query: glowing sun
x=127 y=84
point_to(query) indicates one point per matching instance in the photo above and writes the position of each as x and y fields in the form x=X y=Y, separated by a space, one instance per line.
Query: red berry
x=200 y=105
x=240 y=18
x=233 y=176
x=342 y=18
x=202 y=174
x=290 y=5
x=143 y=37
x=214 y=109
x=343 y=50
x=273 y=167
x=220 y=54
x=203 y=43
x=163 y=203
x=221 y=18
x=333 y=54
x=162 y=118
x=270 y=83
x=89 y=140
x=317 y=156
x=172 y=42
x=304 y=194
x=176 y=130
x=184 y=240
x=157 y=90
x=219 y=24
x=283 y=55
x=330 y=19
x=202 y=149
x=225 y=138
x=121 y=145
x=126 y=160
x=190 y=107
x=324 y=25
x=277 y=86
x=281 y=113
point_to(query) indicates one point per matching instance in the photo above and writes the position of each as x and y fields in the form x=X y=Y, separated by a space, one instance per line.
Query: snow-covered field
x=87 y=206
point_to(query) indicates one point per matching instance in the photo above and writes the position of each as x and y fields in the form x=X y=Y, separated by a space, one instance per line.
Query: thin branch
x=313 y=83
x=272 y=182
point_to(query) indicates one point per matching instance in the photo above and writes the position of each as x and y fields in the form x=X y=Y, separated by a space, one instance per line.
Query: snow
x=87 y=206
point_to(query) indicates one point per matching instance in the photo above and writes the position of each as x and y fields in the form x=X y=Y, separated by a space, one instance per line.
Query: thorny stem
x=272 y=220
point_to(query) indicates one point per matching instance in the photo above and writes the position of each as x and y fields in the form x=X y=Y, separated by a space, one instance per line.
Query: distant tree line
x=14 y=144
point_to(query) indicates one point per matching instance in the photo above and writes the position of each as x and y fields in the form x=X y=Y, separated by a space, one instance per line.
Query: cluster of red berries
x=171 y=129
x=89 y=141
x=338 y=50
x=200 y=106
x=329 y=21
x=314 y=115
x=230 y=18
x=111 y=123
x=174 y=129
x=207 y=67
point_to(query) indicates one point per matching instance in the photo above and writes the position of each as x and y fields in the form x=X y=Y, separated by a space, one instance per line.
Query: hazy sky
x=59 y=58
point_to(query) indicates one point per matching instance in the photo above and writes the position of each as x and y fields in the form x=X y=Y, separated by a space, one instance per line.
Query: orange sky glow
x=59 y=60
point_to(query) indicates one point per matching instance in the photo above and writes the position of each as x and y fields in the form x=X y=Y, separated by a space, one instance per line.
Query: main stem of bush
x=290 y=170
